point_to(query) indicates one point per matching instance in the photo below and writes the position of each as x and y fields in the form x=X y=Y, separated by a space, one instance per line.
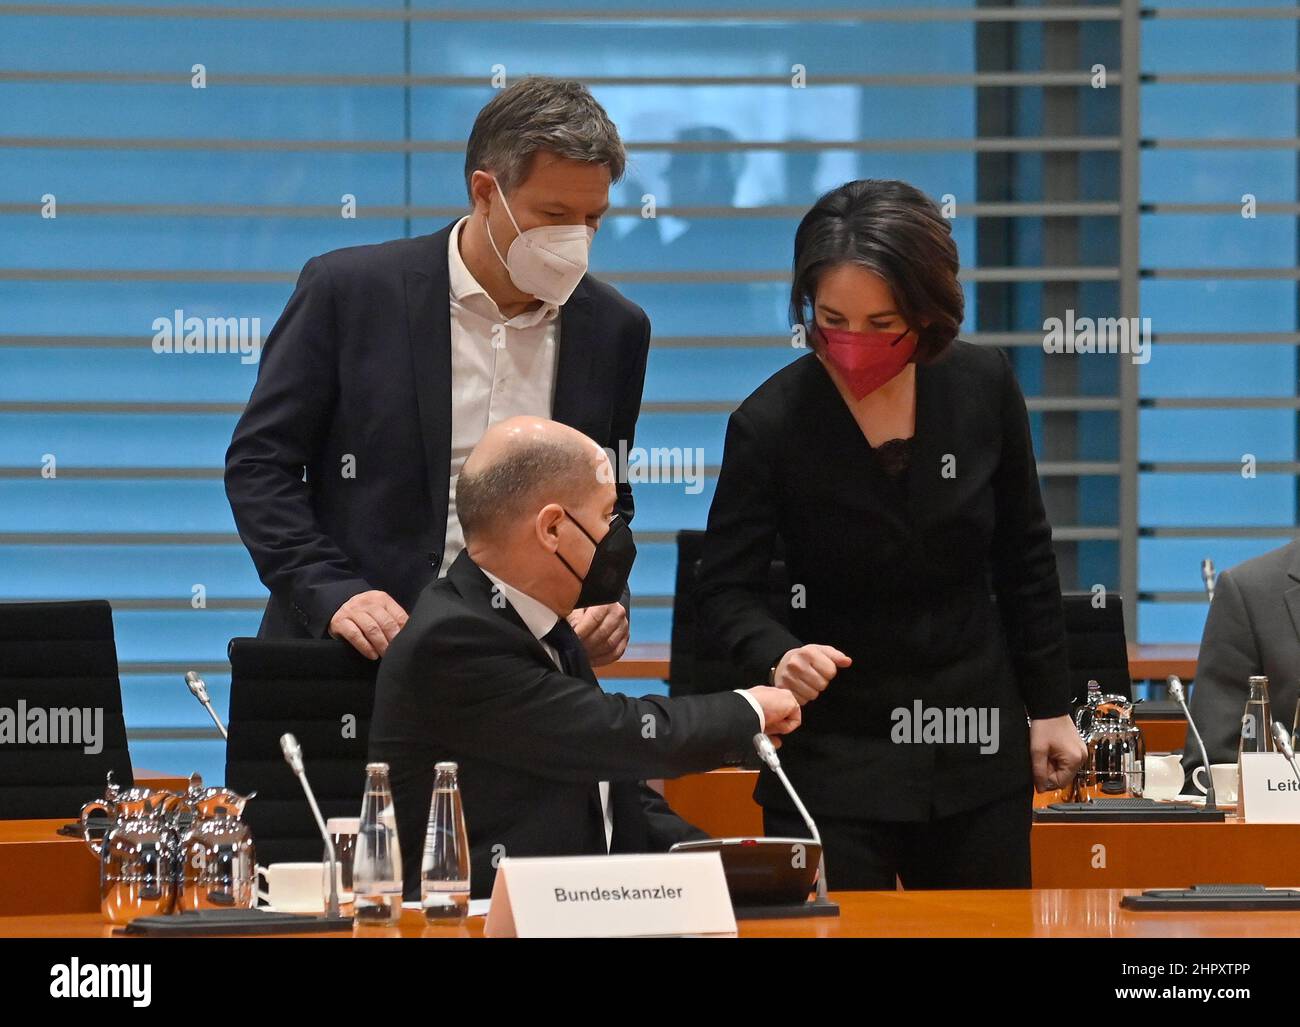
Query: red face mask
x=866 y=360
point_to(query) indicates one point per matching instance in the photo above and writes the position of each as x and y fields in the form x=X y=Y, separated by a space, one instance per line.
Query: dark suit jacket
x=898 y=577
x=465 y=680
x=359 y=364
x=1253 y=627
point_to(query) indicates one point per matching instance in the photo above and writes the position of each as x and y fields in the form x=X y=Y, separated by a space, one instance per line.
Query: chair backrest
x=322 y=691
x=60 y=695
x=697 y=663
x=1094 y=638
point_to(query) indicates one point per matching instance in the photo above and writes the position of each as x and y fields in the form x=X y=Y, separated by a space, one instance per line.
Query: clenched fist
x=805 y=672
x=781 y=713
x=1055 y=751
x=603 y=631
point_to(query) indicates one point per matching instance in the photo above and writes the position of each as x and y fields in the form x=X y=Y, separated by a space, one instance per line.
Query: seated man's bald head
x=520 y=465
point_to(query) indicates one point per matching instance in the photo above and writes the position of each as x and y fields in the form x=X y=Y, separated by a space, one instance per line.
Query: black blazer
x=896 y=575
x=359 y=364
x=465 y=680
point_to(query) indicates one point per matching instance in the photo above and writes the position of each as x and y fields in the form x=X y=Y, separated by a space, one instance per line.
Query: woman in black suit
x=894 y=465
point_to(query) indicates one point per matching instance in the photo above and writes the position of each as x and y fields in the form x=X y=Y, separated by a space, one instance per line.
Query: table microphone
x=293 y=756
x=1175 y=686
x=767 y=753
x=1284 y=744
x=1209 y=577
x=200 y=692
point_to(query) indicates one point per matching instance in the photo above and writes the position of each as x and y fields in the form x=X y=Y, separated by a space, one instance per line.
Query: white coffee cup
x=1225 y=781
x=1164 y=776
x=293 y=887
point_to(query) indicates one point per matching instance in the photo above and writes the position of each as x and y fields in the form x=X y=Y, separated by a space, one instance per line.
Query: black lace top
x=894 y=456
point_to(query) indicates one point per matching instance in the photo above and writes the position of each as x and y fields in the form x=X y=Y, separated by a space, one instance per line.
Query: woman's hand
x=1055 y=751
x=805 y=672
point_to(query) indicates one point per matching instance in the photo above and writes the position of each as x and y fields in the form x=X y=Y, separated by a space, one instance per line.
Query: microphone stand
x=1175 y=686
x=200 y=692
x=1284 y=744
x=767 y=752
x=293 y=756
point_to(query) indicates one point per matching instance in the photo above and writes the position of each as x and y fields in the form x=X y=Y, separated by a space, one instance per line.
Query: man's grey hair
x=526 y=477
x=541 y=113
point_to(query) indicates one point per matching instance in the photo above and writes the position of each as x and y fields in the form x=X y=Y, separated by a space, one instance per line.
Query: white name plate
x=610 y=896
x=1270 y=793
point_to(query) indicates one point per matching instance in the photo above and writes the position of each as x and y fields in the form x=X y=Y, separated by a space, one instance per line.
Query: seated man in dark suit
x=489 y=673
x=1253 y=627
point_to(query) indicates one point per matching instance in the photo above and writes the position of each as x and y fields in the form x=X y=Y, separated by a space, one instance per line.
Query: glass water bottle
x=444 y=871
x=377 y=861
x=1256 y=724
x=1257 y=720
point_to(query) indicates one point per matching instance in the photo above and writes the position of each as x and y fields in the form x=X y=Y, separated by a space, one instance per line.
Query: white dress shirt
x=500 y=367
x=539 y=619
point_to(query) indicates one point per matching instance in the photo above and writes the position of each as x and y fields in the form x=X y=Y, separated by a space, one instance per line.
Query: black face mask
x=611 y=564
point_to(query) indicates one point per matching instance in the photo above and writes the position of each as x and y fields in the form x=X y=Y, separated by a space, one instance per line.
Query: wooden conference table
x=61 y=876
x=1041 y=913
x=1064 y=855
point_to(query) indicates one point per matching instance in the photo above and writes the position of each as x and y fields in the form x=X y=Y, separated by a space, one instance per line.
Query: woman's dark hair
x=895 y=231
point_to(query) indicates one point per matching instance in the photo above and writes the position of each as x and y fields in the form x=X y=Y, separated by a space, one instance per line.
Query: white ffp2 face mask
x=547 y=261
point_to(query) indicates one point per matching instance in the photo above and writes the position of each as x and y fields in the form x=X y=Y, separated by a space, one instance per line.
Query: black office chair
x=320 y=690
x=697 y=663
x=1094 y=638
x=59 y=659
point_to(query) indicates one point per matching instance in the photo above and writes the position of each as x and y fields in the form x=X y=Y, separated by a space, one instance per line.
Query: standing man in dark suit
x=489 y=674
x=390 y=361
